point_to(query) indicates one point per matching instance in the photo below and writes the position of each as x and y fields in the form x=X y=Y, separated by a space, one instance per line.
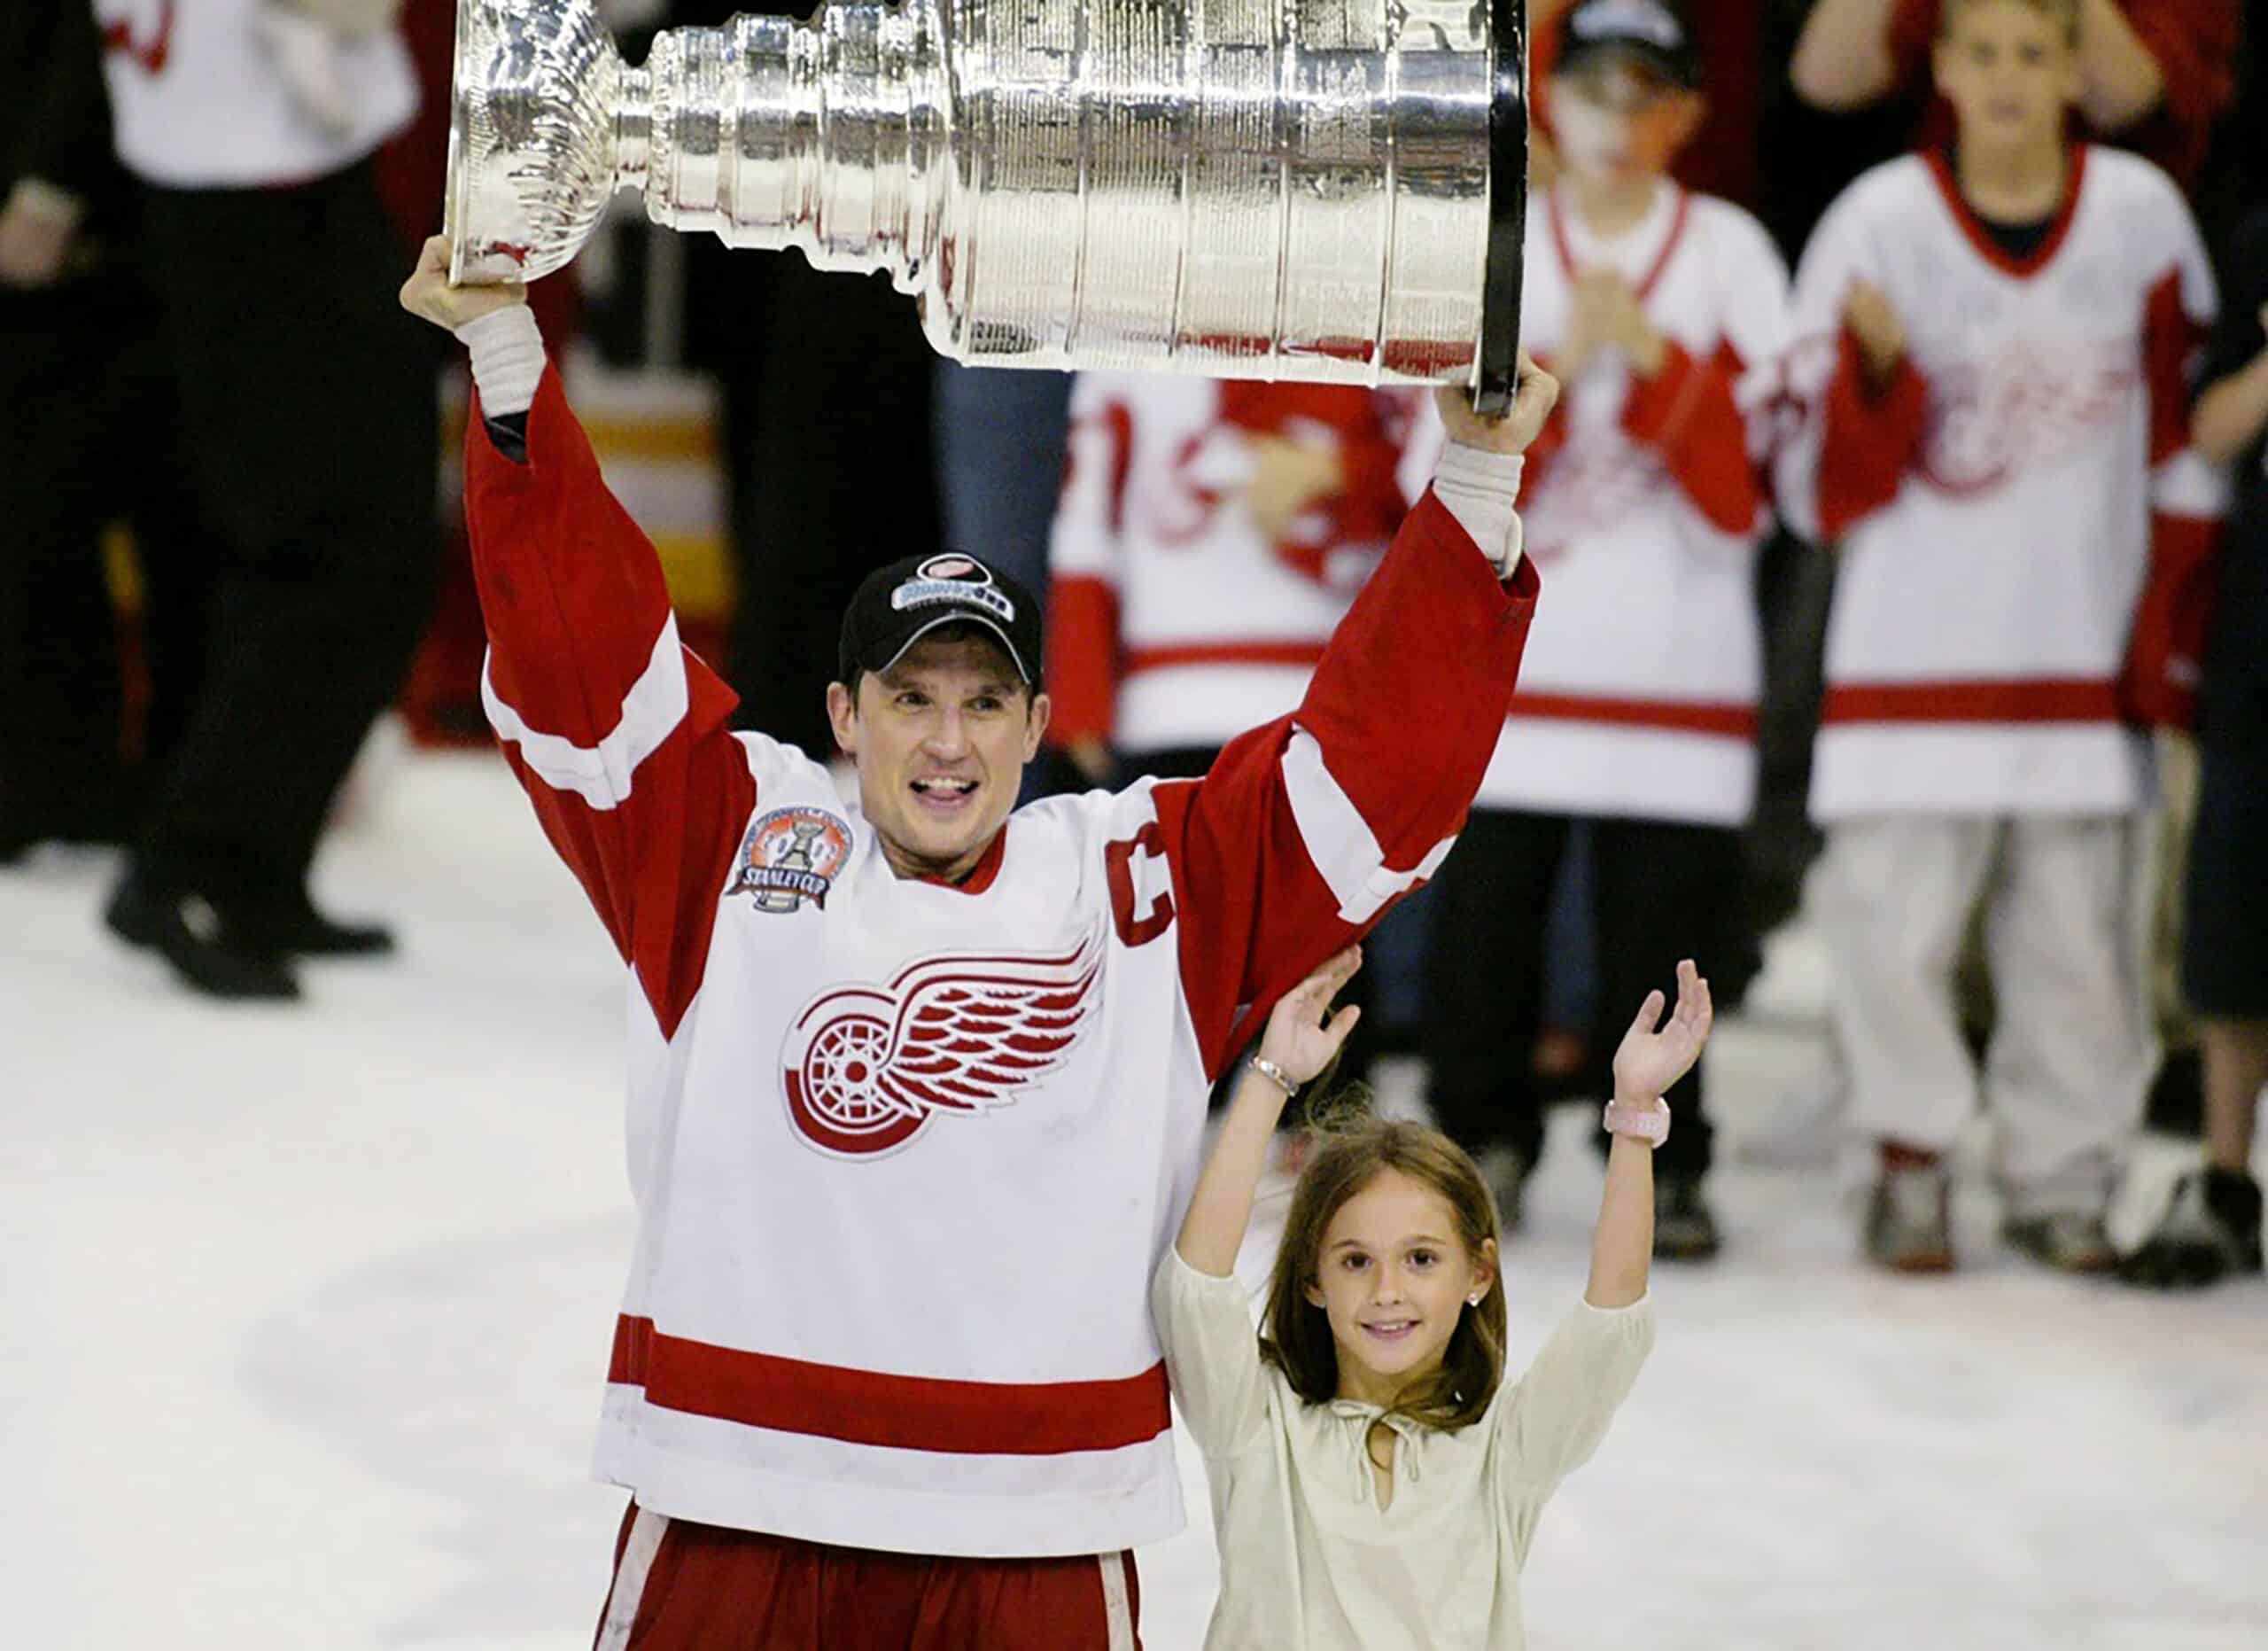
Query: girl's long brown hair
x=1295 y=1335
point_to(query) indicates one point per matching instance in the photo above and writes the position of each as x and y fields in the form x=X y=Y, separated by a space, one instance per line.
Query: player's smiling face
x=940 y=740
x=1393 y=1279
x=2009 y=69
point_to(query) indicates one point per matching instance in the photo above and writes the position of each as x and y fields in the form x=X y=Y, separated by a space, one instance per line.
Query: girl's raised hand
x=1649 y=1060
x=1301 y=1036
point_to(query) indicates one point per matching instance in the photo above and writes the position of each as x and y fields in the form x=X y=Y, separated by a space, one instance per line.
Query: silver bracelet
x=1275 y=1074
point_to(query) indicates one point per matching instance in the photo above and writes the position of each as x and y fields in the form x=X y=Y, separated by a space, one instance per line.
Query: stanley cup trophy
x=1321 y=190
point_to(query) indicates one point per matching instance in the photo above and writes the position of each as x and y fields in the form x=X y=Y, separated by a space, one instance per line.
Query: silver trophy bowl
x=1320 y=189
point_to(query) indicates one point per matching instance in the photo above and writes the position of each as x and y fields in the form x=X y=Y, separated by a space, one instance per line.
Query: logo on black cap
x=956 y=578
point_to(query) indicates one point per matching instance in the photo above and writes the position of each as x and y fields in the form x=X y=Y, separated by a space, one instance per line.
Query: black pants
x=1663 y=892
x=88 y=438
x=313 y=441
x=825 y=389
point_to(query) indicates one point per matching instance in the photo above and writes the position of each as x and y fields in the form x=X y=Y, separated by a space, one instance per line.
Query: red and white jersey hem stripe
x=908 y=1501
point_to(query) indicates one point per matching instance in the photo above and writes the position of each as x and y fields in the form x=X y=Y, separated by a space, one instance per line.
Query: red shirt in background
x=2194 y=41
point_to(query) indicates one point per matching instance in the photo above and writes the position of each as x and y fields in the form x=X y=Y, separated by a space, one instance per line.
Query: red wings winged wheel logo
x=865 y=1069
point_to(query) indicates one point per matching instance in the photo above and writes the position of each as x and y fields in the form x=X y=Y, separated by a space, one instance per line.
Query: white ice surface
x=303 y=1315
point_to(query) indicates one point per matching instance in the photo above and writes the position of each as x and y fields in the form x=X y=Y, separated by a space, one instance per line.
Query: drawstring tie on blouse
x=1365 y=1417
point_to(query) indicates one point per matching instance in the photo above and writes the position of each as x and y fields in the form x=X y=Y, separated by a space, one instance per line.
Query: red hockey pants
x=680 y=1586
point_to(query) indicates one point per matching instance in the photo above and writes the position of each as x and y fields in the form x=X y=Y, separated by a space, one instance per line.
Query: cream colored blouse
x=1309 y=1561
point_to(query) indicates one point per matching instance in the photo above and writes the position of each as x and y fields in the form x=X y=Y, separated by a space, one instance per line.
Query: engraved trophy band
x=1318 y=189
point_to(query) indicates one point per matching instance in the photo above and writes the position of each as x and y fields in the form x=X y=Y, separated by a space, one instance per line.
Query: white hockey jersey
x=1173 y=621
x=1644 y=501
x=1999 y=506
x=905 y=1154
x=198 y=101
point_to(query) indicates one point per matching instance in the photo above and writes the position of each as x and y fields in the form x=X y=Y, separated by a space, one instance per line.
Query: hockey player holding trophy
x=908 y=1152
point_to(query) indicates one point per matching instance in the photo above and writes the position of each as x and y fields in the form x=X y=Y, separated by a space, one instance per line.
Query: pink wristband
x=1649 y=1124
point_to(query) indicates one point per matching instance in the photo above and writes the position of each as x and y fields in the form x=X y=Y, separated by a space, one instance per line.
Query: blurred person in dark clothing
x=2212 y=1227
x=825 y=386
x=81 y=384
x=313 y=443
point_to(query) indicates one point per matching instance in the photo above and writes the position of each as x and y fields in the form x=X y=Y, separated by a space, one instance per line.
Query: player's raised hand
x=1302 y=1036
x=1651 y=1059
x=1873 y=323
x=1536 y=394
x=429 y=294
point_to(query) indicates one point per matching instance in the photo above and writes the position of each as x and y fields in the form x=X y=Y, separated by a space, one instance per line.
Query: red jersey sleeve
x=1869 y=440
x=617 y=732
x=1308 y=828
x=1687 y=413
x=1084 y=553
x=2166 y=650
x=2195 y=44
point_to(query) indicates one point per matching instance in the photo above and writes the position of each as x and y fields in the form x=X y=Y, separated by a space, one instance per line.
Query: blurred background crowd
x=1807 y=526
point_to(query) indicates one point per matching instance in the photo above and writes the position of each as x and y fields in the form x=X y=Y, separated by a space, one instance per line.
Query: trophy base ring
x=1496 y=377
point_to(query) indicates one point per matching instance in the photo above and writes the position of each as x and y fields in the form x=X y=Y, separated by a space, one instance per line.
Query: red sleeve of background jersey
x=1370 y=465
x=2195 y=42
x=1082 y=657
x=2166 y=647
x=1686 y=412
x=1912 y=33
x=617 y=732
x=1869 y=440
x=1309 y=828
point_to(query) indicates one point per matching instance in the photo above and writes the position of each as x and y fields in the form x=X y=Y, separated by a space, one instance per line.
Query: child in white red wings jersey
x=916 y=1084
x=1210 y=539
x=1376 y=1481
x=1663 y=314
x=1990 y=355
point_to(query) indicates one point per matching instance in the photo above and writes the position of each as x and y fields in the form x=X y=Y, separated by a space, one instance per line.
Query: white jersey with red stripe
x=199 y=102
x=1173 y=621
x=906 y=1154
x=1644 y=501
x=1999 y=505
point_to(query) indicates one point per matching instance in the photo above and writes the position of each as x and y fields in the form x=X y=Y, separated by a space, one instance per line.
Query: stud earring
x=1472 y=1301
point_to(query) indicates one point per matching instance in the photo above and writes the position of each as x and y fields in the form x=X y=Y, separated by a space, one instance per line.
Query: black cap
x=1653 y=31
x=896 y=606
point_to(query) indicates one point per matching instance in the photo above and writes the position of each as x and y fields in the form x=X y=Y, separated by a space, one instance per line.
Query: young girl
x=1375 y=1484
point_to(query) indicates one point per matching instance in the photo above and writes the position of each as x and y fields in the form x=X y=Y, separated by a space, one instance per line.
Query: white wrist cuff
x=1479 y=488
x=506 y=350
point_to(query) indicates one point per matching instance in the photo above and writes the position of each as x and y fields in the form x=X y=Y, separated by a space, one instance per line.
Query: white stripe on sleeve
x=601 y=774
x=645 y=1533
x=1339 y=841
